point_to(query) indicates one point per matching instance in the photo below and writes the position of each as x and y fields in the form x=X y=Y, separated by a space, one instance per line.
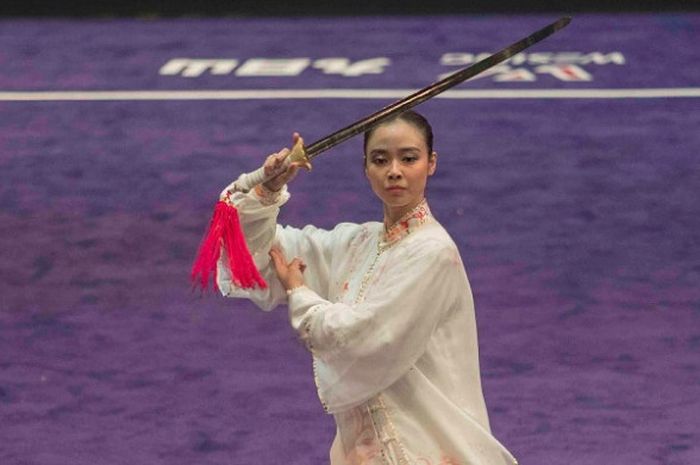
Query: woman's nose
x=394 y=170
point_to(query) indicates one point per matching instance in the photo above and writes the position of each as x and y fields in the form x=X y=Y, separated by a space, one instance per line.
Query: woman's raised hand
x=275 y=162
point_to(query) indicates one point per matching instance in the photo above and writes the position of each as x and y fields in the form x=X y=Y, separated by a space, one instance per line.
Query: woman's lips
x=396 y=188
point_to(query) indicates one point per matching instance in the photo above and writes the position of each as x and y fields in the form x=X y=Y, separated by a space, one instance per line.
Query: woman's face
x=398 y=164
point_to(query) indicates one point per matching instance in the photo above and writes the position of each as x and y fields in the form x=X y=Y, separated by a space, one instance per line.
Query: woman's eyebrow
x=402 y=150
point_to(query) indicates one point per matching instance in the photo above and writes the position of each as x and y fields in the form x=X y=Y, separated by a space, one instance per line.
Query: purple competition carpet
x=569 y=178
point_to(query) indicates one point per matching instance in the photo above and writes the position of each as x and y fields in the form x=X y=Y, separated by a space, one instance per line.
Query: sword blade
x=432 y=90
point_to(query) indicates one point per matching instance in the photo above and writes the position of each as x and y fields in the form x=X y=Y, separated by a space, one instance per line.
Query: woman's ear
x=432 y=163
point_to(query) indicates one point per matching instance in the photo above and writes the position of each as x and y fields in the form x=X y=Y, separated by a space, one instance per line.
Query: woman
x=384 y=308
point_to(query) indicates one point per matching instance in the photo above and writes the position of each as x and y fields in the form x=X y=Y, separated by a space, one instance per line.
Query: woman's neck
x=394 y=214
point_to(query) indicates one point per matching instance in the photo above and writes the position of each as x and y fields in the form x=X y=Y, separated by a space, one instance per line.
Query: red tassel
x=225 y=231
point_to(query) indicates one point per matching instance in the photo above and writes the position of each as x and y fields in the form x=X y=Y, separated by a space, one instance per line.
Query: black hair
x=412 y=117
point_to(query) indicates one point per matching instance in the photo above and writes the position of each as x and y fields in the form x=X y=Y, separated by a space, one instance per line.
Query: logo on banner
x=252 y=67
x=523 y=67
x=526 y=67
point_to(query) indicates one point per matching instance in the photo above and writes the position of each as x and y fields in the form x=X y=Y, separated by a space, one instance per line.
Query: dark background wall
x=151 y=8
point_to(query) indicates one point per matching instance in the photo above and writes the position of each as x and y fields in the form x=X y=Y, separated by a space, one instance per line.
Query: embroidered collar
x=407 y=224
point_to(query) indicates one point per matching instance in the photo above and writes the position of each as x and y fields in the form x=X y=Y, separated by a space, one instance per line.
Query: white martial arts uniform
x=389 y=319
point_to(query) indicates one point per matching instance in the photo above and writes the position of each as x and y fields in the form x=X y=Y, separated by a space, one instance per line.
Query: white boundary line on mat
x=359 y=94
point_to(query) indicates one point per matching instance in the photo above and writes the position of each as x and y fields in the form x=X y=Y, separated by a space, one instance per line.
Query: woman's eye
x=379 y=160
x=410 y=158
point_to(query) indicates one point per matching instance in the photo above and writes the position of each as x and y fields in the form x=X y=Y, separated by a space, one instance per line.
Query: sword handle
x=248 y=181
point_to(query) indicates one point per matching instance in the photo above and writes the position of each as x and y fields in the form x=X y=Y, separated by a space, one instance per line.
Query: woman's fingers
x=281 y=155
x=278 y=256
x=290 y=274
x=279 y=170
x=297 y=264
x=292 y=170
x=274 y=161
x=278 y=261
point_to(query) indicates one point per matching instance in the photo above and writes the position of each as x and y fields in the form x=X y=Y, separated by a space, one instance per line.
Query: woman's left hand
x=290 y=274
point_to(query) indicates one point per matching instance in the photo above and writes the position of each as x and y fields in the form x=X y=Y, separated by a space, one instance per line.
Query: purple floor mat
x=577 y=220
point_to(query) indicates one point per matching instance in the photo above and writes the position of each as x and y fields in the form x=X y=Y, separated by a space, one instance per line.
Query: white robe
x=389 y=320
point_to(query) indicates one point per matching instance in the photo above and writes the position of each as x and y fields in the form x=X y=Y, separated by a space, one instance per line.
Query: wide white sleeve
x=317 y=247
x=359 y=350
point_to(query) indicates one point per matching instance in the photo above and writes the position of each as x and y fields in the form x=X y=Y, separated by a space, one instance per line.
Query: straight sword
x=302 y=154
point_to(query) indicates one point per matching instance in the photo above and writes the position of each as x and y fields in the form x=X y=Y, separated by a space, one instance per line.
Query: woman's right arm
x=258 y=211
